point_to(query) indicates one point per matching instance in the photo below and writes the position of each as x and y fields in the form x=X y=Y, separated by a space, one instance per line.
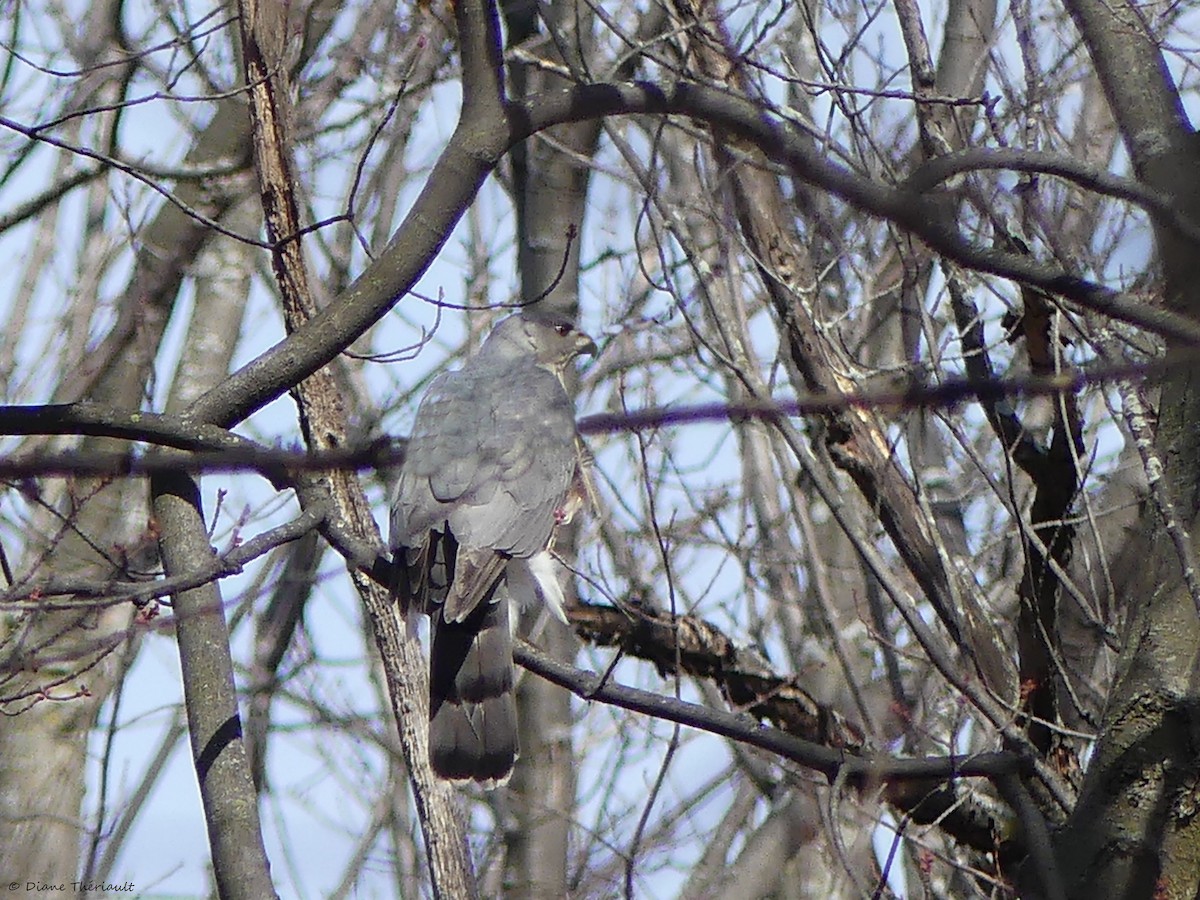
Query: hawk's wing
x=489 y=466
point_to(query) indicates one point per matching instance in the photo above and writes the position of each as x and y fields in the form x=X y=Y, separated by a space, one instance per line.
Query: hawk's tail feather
x=472 y=707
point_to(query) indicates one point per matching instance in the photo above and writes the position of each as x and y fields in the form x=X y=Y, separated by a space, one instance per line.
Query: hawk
x=494 y=466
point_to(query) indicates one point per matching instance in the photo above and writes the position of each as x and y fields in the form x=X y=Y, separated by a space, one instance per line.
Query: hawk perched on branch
x=494 y=466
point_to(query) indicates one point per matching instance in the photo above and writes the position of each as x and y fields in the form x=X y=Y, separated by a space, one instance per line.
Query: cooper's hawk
x=493 y=468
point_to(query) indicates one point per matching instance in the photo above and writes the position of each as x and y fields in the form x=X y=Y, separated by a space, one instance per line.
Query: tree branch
x=214 y=724
x=691 y=646
x=911 y=211
x=855 y=770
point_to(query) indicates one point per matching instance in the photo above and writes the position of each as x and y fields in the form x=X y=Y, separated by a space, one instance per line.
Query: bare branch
x=836 y=765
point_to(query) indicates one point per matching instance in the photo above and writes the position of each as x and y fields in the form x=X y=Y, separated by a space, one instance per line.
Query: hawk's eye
x=563 y=330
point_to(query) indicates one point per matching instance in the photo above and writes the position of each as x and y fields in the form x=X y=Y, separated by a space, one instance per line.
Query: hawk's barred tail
x=472 y=708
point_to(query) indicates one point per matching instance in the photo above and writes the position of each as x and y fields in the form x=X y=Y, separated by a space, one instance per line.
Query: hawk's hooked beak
x=584 y=344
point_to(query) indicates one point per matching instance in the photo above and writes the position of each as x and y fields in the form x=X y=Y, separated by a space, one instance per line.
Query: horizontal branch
x=273 y=464
x=948 y=393
x=855 y=770
x=98 y=420
x=216 y=449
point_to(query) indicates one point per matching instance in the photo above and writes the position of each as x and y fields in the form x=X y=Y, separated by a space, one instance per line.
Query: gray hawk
x=494 y=466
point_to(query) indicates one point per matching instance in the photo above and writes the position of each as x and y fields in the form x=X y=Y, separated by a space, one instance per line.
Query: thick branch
x=99 y=420
x=214 y=723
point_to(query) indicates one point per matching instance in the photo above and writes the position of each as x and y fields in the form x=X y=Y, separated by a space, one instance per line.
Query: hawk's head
x=552 y=340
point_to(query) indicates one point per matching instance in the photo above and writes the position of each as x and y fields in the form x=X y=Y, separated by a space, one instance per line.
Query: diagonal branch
x=691 y=646
x=855 y=770
x=477 y=146
x=323 y=418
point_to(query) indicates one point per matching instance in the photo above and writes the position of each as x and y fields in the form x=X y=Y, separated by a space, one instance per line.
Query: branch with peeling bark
x=688 y=645
x=835 y=764
x=828 y=742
